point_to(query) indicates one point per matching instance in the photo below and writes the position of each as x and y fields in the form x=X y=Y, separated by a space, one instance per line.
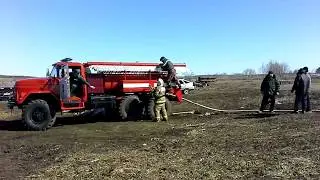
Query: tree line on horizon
x=275 y=66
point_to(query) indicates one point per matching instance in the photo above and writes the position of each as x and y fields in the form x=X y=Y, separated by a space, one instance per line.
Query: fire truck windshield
x=55 y=71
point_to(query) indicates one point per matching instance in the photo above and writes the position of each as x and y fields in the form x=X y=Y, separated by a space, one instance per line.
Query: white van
x=186 y=86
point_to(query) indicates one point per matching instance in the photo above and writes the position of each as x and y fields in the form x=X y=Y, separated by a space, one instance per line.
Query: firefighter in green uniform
x=76 y=82
x=160 y=101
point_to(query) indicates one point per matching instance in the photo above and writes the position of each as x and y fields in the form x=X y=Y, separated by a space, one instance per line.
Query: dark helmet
x=305 y=69
x=270 y=74
x=163 y=59
x=300 y=71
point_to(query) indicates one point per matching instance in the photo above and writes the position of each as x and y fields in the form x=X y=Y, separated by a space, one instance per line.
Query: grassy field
x=217 y=146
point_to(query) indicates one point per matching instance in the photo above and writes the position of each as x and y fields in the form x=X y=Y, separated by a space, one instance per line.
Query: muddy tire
x=131 y=108
x=151 y=109
x=36 y=115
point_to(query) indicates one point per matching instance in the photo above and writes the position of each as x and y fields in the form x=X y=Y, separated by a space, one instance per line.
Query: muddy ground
x=217 y=146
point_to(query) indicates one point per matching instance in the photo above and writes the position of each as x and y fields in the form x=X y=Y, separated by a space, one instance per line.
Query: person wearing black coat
x=269 y=89
x=298 y=88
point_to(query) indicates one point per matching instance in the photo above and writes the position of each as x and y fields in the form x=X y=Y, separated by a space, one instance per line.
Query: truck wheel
x=151 y=109
x=185 y=91
x=131 y=108
x=36 y=115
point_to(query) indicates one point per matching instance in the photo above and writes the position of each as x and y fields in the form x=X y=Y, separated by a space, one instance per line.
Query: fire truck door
x=68 y=102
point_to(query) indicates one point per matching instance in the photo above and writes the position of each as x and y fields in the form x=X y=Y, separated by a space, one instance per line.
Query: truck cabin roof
x=67 y=63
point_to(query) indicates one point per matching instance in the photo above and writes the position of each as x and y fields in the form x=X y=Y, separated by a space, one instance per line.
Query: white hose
x=235 y=110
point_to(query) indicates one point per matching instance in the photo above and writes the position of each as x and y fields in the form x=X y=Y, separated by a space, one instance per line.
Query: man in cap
x=160 y=101
x=168 y=66
x=269 y=88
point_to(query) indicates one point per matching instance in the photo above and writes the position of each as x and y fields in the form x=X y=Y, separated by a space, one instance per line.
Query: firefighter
x=76 y=82
x=160 y=101
x=168 y=66
x=269 y=88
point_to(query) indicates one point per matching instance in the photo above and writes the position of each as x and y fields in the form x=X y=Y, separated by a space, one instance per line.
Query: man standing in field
x=168 y=66
x=298 y=88
x=307 y=83
x=160 y=101
x=269 y=88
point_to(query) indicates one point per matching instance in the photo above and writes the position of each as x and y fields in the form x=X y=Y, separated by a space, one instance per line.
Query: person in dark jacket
x=298 y=88
x=168 y=66
x=269 y=88
x=76 y=82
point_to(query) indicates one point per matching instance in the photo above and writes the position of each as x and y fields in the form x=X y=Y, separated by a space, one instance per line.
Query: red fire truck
x=120 y=87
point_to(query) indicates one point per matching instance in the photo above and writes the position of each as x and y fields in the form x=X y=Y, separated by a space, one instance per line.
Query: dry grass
x=221 y=146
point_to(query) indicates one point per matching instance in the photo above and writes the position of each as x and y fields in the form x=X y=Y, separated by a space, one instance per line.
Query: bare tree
x=249 y=72
x=276 y=67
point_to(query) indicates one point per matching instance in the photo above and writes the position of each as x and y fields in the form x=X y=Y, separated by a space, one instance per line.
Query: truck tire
x=151 y=111
x=36 y=115
x=130 y=108
x=186 y=91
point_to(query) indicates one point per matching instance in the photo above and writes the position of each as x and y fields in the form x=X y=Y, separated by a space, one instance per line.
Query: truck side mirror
x=48 y=74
